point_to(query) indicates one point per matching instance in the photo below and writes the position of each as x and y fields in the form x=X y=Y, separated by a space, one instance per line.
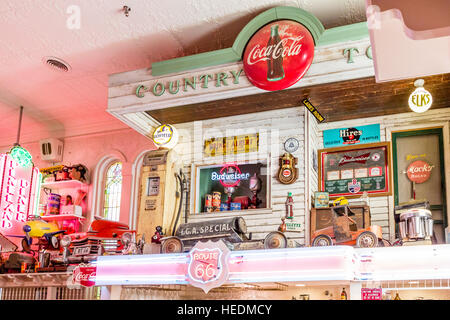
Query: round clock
x=291 y=145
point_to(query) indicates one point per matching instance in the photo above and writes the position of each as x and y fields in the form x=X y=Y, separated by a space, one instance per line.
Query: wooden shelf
x=64 y=184
x=59 y=217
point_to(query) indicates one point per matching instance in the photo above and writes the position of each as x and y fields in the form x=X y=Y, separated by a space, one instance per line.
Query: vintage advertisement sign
x=165 y=136
x=278 y=55
x=419 y=171
x=231 y=145
x=83 y=275
x=19 y=194
x=371 y=294
x=349 y=171
x=351 y=136
x=208 y=265
x=320 y=118
x=420 y=100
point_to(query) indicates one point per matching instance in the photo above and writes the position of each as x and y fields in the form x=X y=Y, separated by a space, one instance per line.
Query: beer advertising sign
x=278 y=55
x=208 y=265
x=350 y=171
x=419 y=171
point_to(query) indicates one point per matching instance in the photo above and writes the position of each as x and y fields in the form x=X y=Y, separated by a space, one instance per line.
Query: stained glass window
x=113 y=191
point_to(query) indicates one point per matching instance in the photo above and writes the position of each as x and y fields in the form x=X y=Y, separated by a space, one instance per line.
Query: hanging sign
x=165 y=136
x=278 y=55
x=313 y=110
x=208 y=265
x=231 y=145
x=351 y=135
x=19 y=194
x=419 y=171
x=420 y=100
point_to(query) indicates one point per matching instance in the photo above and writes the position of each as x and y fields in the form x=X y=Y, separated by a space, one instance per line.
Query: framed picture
x=349 y=171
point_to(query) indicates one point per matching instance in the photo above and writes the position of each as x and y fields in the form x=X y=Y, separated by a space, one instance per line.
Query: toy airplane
x=39 y=229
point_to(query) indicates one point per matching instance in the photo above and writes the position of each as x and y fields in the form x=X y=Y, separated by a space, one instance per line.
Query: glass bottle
x=397 y=297
x=343 y=294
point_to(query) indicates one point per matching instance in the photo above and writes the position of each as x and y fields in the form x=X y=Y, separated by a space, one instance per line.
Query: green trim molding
x=321 y=37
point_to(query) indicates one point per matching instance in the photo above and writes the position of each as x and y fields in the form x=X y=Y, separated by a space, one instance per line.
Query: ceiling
x=58 y=104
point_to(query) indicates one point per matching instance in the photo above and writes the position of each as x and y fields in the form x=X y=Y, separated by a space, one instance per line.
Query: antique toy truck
x=233 y=231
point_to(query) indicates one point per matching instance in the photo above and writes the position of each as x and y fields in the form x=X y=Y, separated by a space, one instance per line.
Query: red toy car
x=103 y=236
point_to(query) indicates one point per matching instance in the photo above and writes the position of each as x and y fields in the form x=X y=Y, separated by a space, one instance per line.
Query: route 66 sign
x=208 y=265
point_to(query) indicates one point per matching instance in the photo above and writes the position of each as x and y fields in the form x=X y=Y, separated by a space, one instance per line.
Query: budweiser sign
x=358 y=159
x=419 y=171
x=278 y=55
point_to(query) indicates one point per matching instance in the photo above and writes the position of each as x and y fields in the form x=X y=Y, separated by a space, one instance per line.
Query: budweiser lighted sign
x=208 y=265
x=229 y=176
x=278 y=55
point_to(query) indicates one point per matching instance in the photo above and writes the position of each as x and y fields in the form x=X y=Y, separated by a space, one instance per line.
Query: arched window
x=112 y=191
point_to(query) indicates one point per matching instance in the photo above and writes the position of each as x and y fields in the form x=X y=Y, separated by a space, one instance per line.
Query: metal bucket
x=403 y=230
x=416 y=228
x=428 y=227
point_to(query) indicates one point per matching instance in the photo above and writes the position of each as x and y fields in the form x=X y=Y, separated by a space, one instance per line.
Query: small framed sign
x=351 y=136
x=349 y=171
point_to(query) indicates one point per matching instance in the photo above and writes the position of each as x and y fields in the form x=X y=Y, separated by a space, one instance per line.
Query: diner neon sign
x=19 y=190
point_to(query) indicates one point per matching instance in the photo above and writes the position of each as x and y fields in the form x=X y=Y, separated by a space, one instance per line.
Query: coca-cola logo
x=84 y=275
x=278 y=55
x=419 y=171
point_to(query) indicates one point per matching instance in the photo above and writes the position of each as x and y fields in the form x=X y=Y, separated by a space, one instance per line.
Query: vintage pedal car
x=344 y=231
x=233 y=231
x=103 y=236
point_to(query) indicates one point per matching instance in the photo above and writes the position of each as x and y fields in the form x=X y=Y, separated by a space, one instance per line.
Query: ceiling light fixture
x=19 y=154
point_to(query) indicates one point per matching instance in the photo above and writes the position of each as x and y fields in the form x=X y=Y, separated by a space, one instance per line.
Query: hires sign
x=19 y=187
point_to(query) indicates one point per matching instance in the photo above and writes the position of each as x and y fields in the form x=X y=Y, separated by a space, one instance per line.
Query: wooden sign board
x=231 y=145
x=350 y=171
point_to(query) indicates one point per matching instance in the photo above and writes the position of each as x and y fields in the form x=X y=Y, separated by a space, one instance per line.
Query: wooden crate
x=323 y=217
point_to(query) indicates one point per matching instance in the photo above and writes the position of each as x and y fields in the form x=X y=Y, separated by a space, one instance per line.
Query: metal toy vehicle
x=42 y=230
x=103 y=236
x=344 y=231
x=233 y=231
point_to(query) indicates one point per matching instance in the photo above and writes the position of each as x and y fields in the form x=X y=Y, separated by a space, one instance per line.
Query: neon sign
x=230 y=175
x=208 y=265
x=19 y=192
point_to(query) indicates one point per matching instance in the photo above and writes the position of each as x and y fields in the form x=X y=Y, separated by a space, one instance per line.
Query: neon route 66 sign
x=208 y=265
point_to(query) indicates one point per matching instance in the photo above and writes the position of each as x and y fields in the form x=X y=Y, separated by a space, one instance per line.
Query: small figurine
x=289 y=206
x=255 y=187
x=282 y=227
x=158 y=235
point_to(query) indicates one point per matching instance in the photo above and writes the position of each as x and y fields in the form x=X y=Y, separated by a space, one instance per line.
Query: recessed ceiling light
x=300 y=285
x=413 y=282
x=56 y=64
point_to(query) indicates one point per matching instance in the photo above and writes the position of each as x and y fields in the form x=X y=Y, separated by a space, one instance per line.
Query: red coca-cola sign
x=419 y=171
x=84 y=275
x=278 y=55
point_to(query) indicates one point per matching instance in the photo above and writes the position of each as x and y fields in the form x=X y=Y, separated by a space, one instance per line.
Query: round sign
x=278 y=55
x=165 y=136
x=420 y=100
x=291 y=145
x=419 y=171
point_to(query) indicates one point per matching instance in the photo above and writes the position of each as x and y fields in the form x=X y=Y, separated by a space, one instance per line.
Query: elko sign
x=278 y=55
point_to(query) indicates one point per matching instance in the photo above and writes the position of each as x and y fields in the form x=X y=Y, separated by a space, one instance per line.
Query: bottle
x=275 y=70
x=343 y=294
x=397 y=297
x=289 y=206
